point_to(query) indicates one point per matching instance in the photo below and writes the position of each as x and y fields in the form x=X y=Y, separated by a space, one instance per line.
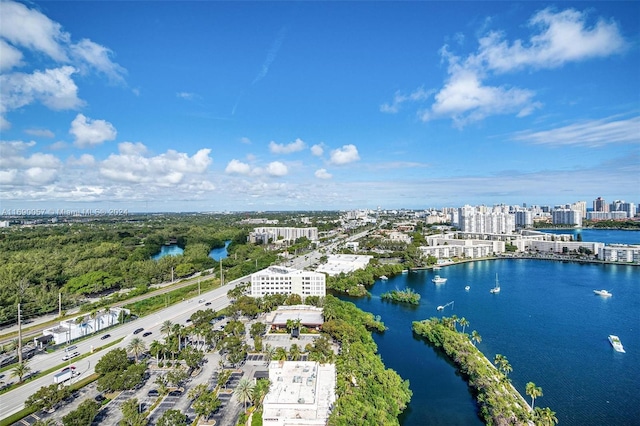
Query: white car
x=70 y=355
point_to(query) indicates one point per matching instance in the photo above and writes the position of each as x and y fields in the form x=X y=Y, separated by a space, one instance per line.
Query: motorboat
x=384 y=278
x=616 y=343
x=439 y=280
x=496 y=288
x=604 y=293
x=467 y=288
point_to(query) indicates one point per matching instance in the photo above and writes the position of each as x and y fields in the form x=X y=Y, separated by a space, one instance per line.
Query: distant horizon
x=289 y=106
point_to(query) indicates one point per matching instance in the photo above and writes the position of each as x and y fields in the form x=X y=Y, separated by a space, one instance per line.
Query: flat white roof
x=344 y=263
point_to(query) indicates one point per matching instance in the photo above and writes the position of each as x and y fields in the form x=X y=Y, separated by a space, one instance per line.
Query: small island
x=402 y=296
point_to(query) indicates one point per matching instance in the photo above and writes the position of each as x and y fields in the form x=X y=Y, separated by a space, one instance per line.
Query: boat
x=439 y=280
x=384 y=278
x=616 y=343
x=496 y=288
x=441 y=307
x=436 y=268
x=467 y=288
x=604 y=293
x=405 y=271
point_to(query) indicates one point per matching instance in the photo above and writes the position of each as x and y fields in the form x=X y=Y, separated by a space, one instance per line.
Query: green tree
x=533 y=391
x=114 y=360
x=294 y=352
x=83 y=415
x=475 y=337
x=47 y=397
x=20 y=370
x=269 y=353
x=544 y=417
x=172 y=418
x=244 y=391
x=131 y=414
x=136 y=346
x=464 y=323
x=206 y=404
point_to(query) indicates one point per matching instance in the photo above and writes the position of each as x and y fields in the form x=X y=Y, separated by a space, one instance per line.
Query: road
x=13 y=401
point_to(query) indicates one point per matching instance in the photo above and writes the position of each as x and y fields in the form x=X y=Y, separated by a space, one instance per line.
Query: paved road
x=13 y=401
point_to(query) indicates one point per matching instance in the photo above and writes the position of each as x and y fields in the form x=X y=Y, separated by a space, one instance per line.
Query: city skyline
x=223 y=106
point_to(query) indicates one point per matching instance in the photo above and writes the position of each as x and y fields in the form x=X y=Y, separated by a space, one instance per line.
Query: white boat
x=496 y=288
x=405 y=271
x=439 y=280
x=467 y=288
x=616 y=343
x=441 y=307
x=436 y=268
x=384 y=278
x=604 y=293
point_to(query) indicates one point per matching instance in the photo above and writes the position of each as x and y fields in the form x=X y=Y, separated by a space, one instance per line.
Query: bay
x=546 y=320
x=607 y=236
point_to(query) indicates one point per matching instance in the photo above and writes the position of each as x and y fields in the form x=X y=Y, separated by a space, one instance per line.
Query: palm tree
x=166 y=328
x=280 y=354
x=244 y=390
x=136 y=346
x=545 y=417
x=294 y=352
x=533 y=391
x=155 y=348
x=45 y=422
x=464 y=323
x=269 y=353
x=94 y=315
x=79 y=321
x=454 y=320
x=503 y=364
x=20 y=370
x=475 y=337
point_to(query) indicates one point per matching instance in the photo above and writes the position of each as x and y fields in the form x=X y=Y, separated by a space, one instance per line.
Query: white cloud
x=19 y=168
x=323 y=174
x=10 y=57
x=237 y=167
x=416 y=96
x=31 y=29
x=592 y=133
x=43 y=133
x=345 y=155
x=168 y=169
x=277 y=169
x=465 y=99
x=317 y=150
x=84 y=160
x=295 y=146
x=58 y=145
x=90 y=132
x=53 y=87
x=245 y=140
x=563 y=37
x=185 y=95
x=98 y=57
x=131 y=148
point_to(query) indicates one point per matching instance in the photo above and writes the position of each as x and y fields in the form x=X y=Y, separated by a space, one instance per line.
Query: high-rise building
x=566 y=217
x=622 y=206
x=600 y=205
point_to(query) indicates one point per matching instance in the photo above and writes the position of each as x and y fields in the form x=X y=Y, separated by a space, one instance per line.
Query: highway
x=13 y=401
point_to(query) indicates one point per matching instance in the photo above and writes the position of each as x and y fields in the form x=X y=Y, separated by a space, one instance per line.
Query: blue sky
x=215 y=106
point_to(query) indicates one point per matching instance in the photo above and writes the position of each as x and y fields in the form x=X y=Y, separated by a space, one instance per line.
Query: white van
x=70 y=355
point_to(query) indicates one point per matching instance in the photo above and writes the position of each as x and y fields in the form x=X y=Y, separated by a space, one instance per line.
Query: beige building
x=302 y=393
x=283 y=280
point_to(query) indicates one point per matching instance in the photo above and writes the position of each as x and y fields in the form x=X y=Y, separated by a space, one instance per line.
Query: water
x=607 y=236
x=546 y=320
x=220 y=252
x=170 y=250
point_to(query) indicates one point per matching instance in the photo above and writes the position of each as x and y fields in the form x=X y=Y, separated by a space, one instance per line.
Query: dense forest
x=92 y=258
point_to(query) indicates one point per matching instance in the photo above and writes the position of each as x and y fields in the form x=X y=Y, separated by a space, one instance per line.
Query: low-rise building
x=344 y=263
x=74 y=328
x=621 y=253
x=283 y=280
x=301 y=393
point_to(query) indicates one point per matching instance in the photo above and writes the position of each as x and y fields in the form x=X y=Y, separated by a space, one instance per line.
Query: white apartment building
x=447 y=246
x=283 y=280
x=301 y=393
x=523 y=218
x=619 y=215
x=486 y=220
x=558 y=246
x=566 y=217
x=265 y=234
x=622 y=206
x=621 y=253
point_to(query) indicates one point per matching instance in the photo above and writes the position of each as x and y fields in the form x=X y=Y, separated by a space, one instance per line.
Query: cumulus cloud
x=90 y=132
x=19 y=168
x=591 y=133
x=317 y=150
x=170 y=168
x=556 y=38
x=345 y=155
x=84 y=160
x=53 y=87
x=43 y=133
x=277 y=169
x=295 y=146
x=10 y=57
x=323 y=174
x=28 y=30
x=237 y=167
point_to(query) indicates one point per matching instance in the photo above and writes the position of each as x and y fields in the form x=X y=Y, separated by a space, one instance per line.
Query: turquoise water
x=170 y=250
x=220 y=253
x=547 y=322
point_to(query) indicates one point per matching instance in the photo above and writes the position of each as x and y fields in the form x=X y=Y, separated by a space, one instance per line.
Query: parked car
x=138 y=330
x=153 y=392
